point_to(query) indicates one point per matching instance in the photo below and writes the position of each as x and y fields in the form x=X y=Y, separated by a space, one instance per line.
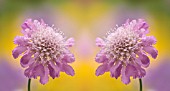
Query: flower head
x=44 y=49
x=124 y=51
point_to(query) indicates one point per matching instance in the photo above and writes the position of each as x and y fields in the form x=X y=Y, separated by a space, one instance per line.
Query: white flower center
x=48 y=42
x=121 y=43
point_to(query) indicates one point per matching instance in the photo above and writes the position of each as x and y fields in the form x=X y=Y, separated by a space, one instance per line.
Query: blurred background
x=84 y=20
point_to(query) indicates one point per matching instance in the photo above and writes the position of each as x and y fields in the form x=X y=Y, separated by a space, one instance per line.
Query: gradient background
x=84 y=20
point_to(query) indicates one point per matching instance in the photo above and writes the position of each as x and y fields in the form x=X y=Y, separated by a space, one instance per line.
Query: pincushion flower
x=124 y=51
x=44 y=51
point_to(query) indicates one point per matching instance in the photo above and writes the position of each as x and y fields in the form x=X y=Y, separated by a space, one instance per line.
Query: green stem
x=140 y=82
x=29 y=83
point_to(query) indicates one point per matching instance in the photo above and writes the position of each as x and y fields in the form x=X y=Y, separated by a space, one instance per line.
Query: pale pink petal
x=140 y=71
x=148 y=40
x=115 y=69
x=26 y=60
x=54 y=70
x=44 y=79
x=131 y=71
x=142 y=24
x=101 y=69
x=143 y=60
x=125 y=79
x=100 y=42
x=70 y=42
x=26 y=24
x=68 y=69
x=151 y=50
x=18 y=50
x=21 y=40
x=68 y=58
x=100 y=58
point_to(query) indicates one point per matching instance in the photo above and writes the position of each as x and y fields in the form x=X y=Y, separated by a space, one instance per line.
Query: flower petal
x=68 y=69
x=148 y=40
x=125 y=79
x=140 y=71
x=131 y=71
x=54 y=70
x=44 y=79
x=101 y=69
x=26 y=60
x=21 y=40
x=99 y=42
x=100 y=58
x=26 y=24
x=115 y=69
x=143 y=60
x=152 y=51
x=142 y=24
x=70 y=42
x=68 y=58
x=18 y=50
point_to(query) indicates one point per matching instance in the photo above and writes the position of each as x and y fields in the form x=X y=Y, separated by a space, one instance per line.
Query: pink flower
x=44 y=51
x=124 y=51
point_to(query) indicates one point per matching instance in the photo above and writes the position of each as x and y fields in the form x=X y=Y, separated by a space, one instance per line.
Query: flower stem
x=140 y=82
x=29 y=83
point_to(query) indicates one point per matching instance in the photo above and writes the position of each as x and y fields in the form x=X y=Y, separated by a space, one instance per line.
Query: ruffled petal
x=70 y=42
x=54 y=69
x=29 y=71
x=148 y=41
x=140 y=71
x=68 y=58
x=143 y=60
x=131 y=71
x=44 y=79
x=18 y=50
x=125 y=79
x=115 y=69
x=142 y=24
x=152 y=51
x=21 y=40
x=26 y=60
x=101 y=69
x=100 y=58
x=26 y=24
x=68 y=69
x=100 y=42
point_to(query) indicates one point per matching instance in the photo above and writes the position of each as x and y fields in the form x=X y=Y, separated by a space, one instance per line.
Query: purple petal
x=54 y=69
x=26 y=60
x=131 y=71
x=44 y=79
x=148 y=40
x=38 y=70
x=18 y=50
x=115 y=69
x=70 y=42
x=99 y=42
x=29 y=71
x=100 y=58
x=26 y=24
x=68 y=69
x=101 y=69
x=143 y=60
x=125 y=79
x=152 y=51
x=140 y=71
x=21 y=40
x=68 y=58
x=143 y=24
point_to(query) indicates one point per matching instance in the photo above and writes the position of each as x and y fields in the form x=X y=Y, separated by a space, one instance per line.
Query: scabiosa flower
x=124 y=51
x=44 y=49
